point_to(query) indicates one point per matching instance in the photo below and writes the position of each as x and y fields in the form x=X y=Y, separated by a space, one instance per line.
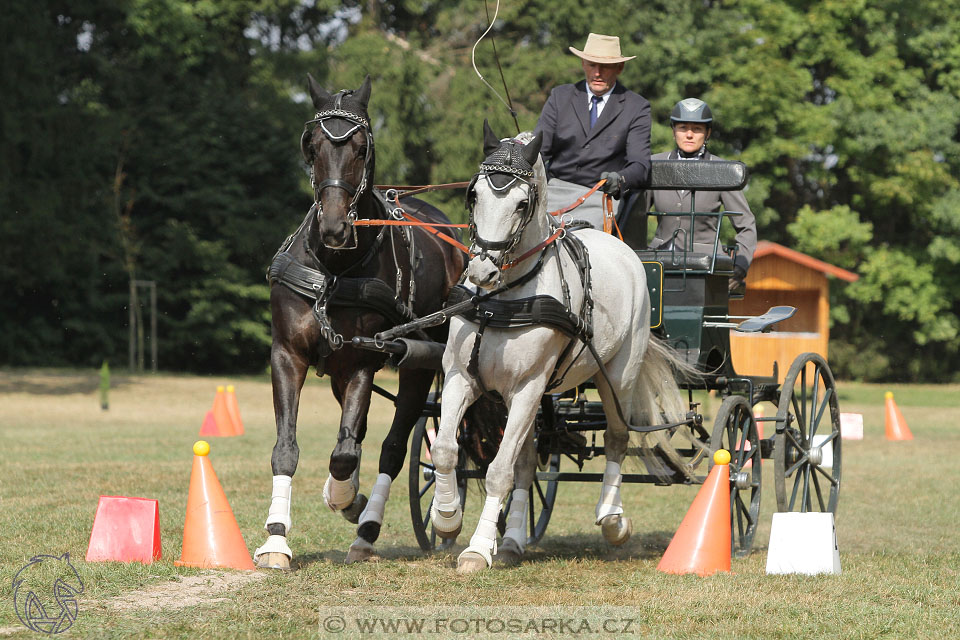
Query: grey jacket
x=705 y=227
x=620 y=141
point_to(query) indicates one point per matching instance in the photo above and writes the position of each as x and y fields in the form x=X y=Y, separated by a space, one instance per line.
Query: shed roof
x=765 y=248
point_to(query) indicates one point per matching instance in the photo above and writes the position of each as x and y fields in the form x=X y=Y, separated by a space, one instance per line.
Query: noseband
x=354 y=191
x=505 y=166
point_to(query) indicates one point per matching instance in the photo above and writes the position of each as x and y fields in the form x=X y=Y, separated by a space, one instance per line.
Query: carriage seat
x=689 y=261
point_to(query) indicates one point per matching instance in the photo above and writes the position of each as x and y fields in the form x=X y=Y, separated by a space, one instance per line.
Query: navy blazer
x=620 y=140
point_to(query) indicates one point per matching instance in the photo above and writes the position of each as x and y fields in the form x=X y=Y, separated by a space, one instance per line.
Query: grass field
x=897 y=528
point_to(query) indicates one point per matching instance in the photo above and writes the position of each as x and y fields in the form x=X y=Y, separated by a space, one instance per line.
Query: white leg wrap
x=446 y=498
x=339 y=494
x=609 y=503
x=445 y=495
x=280 y=503
x=377 y=502
x=484 y=540
x=517 y=519
x=274 y=544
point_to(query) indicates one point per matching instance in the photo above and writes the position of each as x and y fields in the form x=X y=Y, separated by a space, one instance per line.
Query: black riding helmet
x=692 y=110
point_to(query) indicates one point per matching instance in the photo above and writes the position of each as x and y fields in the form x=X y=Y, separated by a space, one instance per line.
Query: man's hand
x=613 y=183
x=736 y=283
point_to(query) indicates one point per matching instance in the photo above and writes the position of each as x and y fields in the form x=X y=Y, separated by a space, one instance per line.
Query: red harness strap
x=537 y=249
x=609 y=223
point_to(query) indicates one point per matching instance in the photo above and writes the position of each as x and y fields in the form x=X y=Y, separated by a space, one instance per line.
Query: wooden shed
x=782 y=276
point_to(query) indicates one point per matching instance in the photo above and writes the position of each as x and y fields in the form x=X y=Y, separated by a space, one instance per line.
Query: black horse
x=332 y=280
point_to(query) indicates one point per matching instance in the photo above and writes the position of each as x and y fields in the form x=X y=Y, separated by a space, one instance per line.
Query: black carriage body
x=690 y=310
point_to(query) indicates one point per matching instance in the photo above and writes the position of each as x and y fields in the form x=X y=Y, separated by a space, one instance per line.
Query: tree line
x=157 y=140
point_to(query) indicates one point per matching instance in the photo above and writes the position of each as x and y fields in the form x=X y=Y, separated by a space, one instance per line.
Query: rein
x=395 y=192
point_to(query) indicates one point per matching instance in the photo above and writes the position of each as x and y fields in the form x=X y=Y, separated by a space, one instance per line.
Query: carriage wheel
x=736 y=431
x=807 y=446
x=422 y=479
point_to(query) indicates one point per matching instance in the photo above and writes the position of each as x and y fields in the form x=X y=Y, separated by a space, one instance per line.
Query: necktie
x=594 y=101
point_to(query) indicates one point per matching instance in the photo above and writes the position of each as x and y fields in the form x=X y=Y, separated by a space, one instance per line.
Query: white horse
x=508 y=220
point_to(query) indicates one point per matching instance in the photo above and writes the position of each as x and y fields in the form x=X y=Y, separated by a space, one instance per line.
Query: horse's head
x=338 y=146
x=503 y=197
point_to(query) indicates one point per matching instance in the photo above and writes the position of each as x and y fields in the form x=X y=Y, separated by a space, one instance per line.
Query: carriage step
x=762 y=324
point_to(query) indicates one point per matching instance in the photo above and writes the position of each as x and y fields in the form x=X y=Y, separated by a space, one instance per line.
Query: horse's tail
x=659 y=400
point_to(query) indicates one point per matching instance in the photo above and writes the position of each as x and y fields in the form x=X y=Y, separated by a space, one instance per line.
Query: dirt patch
x=188 y=591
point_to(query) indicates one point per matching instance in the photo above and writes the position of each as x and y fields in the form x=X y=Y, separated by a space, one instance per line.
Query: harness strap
x=559 y=233
x=579 y=201
x=515 y=314
x=616 y=400
x=473 y=367
x=451 y=309
x=369 y=293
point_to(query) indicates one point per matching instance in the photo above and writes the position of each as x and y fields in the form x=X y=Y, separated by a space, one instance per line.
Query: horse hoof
x=509 y=554
x=470 y=562
x=361 y=554
x=273 y=560
x=445 y=544
x=352 y=513
x=616 y=529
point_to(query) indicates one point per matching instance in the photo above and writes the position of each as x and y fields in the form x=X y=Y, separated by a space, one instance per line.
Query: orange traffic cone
x=233 y=410
x=897 y=428
x=702 y=543
x=217 y=422
x=211 y=536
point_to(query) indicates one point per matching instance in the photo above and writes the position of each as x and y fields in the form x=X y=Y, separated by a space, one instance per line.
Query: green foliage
x=836 y=236
x=157 y=139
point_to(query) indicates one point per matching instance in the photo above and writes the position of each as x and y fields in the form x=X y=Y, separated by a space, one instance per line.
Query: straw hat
x=602 y=50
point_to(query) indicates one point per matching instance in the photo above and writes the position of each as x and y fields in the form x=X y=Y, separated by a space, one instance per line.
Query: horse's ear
x=491 y=141
x=318 y=94
x=532 y=149
x=362 y=94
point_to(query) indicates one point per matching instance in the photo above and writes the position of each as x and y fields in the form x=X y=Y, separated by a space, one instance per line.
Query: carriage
x=331 y=286
x=690 y=310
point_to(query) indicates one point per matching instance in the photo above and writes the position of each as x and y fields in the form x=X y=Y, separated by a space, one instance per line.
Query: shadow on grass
x=645 y=546
x=386 y=553
x=641 y=546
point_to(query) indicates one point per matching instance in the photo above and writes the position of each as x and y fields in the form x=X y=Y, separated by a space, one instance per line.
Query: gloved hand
x=613 y=183
x=736 y=283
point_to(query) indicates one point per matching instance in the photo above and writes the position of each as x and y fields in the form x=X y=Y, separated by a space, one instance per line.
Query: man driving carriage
x=595 y=129
x=692 y=123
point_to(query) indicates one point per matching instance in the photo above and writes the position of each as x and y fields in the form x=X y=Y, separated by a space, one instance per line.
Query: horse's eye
x=522 y=205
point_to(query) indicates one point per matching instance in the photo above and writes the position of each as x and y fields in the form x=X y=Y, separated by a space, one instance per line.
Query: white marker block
x=851 y=426
x=804 y=543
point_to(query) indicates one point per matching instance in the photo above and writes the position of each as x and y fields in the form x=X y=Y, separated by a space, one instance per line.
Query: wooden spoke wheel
x=735 y=430
x=422 y=480
x=807 y=446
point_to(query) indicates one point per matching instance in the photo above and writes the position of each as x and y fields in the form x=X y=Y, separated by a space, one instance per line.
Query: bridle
x=506 y=166
x=360 y=122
